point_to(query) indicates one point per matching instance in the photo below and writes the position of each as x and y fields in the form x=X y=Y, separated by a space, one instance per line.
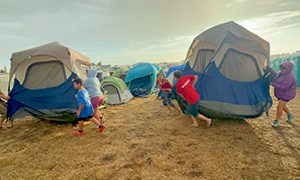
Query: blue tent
x=141 y=79
x=233 y=81
x=174 y=68
x=43 y=81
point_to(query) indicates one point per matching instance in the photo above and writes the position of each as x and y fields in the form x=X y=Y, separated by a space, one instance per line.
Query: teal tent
x=141 y=79
x=294 y=58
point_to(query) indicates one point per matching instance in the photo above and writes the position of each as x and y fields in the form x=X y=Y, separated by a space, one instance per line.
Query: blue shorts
x=168 y=99
x=193 y=110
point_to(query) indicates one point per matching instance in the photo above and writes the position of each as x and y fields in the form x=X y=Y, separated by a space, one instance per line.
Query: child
x=93 y=86
x=166 y=88
x=185 y=88
x=85 y=109
x=284 y=85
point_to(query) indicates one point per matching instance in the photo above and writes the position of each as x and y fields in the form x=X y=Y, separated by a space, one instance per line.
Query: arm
x=195 y=80
x=3 y=96
x=80 y=109
x=158 y=85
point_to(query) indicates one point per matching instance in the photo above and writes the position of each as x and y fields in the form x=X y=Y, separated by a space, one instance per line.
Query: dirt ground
x=144 y=141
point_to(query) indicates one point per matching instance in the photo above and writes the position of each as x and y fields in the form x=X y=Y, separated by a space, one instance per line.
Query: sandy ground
x=143 y=141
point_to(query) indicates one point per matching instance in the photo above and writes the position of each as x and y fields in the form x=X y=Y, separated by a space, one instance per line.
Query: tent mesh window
x=239 y=66
x=81 y=69
x=112 y=90
x=204 y=56
x=41 y=75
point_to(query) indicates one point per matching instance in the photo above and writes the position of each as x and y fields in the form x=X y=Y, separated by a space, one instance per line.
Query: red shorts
x=97 y=101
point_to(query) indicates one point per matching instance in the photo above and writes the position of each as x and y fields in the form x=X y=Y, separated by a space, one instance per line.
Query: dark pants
x=168 y=99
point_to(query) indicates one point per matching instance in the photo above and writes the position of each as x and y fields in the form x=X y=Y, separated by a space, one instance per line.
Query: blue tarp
x=60 y=97
x=142 y=78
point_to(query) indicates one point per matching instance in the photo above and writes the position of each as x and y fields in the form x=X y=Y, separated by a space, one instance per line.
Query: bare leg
x=286 y=109
x=96 y=114
x=80 y=125
x=95 y=121
x=204 y=118
x=279 y=110
x=195 y=123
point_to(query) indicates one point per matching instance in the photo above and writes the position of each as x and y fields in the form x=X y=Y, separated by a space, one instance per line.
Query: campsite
x=141 y=142
x=128 y=91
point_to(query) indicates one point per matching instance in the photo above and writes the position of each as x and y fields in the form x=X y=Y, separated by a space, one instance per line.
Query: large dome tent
x=230 y=61
x=43 y=80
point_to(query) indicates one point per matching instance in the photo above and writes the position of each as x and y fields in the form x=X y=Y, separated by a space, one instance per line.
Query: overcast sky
x=129 y=31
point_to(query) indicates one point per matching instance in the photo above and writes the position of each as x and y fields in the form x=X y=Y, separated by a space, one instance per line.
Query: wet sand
x=144 y=141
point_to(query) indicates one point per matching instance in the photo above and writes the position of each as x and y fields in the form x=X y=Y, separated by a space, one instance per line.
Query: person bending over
x=185 y=88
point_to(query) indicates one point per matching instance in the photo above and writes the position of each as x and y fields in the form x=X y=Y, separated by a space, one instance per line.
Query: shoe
x=275 y=123
x=78 y=133
x=290 y=118
x=101 y=128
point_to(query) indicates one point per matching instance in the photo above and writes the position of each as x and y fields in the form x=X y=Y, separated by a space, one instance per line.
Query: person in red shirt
x=166 y=88
x=185 y=87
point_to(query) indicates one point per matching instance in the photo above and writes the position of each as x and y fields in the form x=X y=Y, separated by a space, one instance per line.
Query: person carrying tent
x=3 y=110
x=185 y=87
x=93 y=86
x=284 y=83
x=166 y=88
x=85 y=109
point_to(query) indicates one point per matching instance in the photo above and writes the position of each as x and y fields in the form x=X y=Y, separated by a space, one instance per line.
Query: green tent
x=117 y=90
x=294 y=58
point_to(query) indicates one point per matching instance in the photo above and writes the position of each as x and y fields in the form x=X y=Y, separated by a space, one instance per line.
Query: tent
x=294 y=58
x=230 y=61
x=141 y=79
x=120 y=72
x=117 y=90
x=43 y=80
x=170 y=74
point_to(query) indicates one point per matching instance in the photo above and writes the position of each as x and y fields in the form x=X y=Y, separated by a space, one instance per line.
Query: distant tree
x=99 y=63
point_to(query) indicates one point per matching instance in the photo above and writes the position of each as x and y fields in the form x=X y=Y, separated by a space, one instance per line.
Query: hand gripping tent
x=117 y=90
x=230 y=61
x=141 y=79
x=43 y=80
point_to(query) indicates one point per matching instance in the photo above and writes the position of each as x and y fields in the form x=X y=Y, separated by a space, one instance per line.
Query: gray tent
x=43 y=80
x=230 y=61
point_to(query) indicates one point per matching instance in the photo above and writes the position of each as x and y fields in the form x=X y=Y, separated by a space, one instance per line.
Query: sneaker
x=78 y=133
x=275 y=123
x=101 y=128
x=290 y=118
